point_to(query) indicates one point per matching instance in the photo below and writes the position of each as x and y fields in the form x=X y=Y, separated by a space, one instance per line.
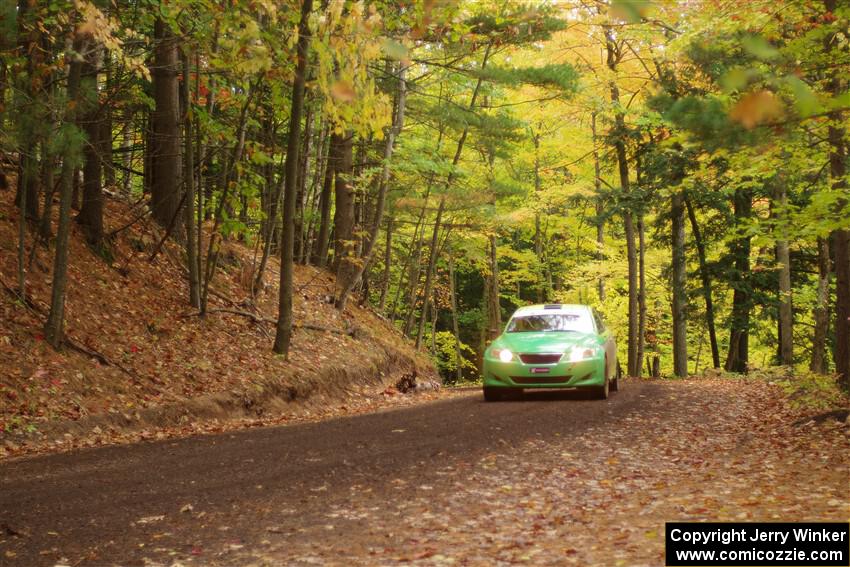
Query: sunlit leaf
x=343 y=91
x=804 y=99
x=756 y=108
x=758 y=47
x=630 y=10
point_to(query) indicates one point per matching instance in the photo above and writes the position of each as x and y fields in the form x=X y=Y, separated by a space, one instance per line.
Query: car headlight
x=579 y=354
x=502 y=354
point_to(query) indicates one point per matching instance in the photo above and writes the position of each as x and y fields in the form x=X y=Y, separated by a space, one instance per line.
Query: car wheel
x=492 y=394
x=615 y=384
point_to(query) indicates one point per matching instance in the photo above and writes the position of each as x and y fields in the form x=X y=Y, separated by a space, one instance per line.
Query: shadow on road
x=555 y=395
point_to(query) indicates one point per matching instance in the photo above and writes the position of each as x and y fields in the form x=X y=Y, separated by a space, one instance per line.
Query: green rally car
x=552 y=346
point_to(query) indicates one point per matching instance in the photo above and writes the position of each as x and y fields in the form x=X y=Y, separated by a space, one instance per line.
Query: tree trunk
x=410 y=269
x=429 y=274
x=631 y=253
x=351 y=280
x=283 y=335
x=322 y=146
x=48 y=165
x=106 y=124
x=271 y=193
x=48 y=155
x=227 y=179
x=200 y=151
x=413 y=281
x=783 y=260
x=821 y=314
x=388 y=256
x=126 y=155
x=412 y=263
x=26 y=111
x=165 y=136
x=600 y=207
x=641 y=228
x=455 y=326
x=322 y=242
x=706 y=285
x=494 y=308
x=613 y=58
x=435 y=314
x=841 y=247
x=189 y=186
x=344 y=207
x=8 y=12
x=737 y=359
x=54 y=327
x=303 y=174
x=91 y=213
x=680 y=300
x=76 y=195
x=840 y=237
x=542 y=289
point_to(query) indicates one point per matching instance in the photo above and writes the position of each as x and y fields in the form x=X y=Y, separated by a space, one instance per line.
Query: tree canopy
x=682 y=167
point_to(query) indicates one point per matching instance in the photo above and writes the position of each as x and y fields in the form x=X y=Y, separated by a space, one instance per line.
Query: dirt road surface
x=554 y=479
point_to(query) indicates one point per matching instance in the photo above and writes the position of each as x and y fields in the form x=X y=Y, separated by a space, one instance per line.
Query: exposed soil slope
x=152 y=362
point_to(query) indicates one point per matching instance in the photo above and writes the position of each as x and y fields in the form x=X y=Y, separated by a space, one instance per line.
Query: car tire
x=492 y=394
x=615 y=383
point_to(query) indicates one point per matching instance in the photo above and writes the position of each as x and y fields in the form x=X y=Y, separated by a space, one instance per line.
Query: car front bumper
x=517 y=374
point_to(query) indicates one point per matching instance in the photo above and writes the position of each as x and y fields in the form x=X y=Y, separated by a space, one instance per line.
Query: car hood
x=551 y=341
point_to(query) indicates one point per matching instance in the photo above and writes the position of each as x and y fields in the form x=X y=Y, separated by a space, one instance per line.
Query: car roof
x=552 y=308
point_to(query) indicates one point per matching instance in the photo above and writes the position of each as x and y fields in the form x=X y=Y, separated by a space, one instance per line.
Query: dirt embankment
x=141 y=363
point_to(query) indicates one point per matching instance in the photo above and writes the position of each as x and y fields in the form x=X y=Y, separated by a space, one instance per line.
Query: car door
x=610 y=344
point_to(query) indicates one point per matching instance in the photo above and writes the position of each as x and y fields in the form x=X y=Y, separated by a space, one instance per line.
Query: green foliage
x=517 y=23
x=557 y=76
x=446 y=355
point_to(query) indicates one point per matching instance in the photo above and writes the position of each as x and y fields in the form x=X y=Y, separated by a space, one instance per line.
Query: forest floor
x=553 y=479
x=140 y=363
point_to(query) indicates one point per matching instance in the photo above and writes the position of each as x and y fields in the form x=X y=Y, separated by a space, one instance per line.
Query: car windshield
x=556 y=322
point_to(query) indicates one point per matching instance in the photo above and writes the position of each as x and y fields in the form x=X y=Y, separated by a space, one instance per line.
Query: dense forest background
x=682 y=166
